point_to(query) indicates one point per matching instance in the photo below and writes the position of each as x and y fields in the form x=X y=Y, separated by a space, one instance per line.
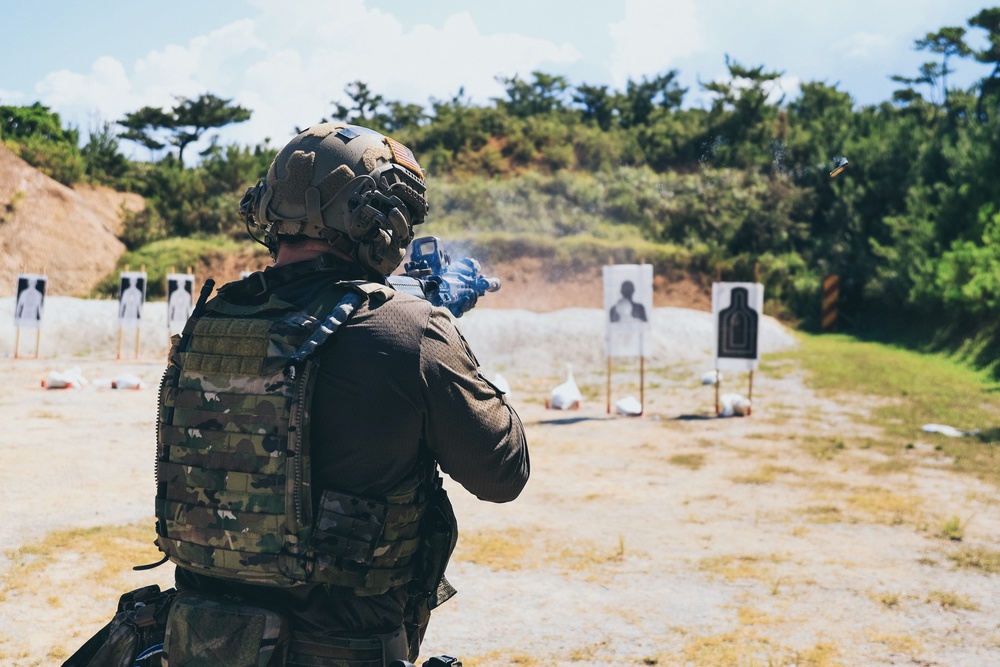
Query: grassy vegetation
x=823 y=448
x=912 y=389
x=952 y=529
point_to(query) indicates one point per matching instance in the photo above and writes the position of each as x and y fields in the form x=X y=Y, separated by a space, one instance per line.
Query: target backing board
x=30 y=303
x=737 y=309
x=180 y=299
x=628 y=310
x=131 y=296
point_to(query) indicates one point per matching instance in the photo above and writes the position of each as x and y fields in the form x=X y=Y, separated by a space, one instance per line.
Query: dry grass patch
x=978 y=558
x=690 y=461
x=497 y=550
x=905 y=644
x=44 y=414
x=766 y=475
x=823 y=513
x=951 y=600
x=750 y=616
x=822 y=448
x=85 y=566
x=503 y=659
x=583 y=557
x=105 y=552
x=890 y=467
x=740 y=567
x=886 y=599
x=885 y=506
x=746 y=647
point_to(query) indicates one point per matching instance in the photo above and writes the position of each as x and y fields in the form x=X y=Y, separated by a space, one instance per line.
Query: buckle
x=256 y=283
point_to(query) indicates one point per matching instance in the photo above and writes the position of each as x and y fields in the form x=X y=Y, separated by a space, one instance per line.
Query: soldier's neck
x=303 y=251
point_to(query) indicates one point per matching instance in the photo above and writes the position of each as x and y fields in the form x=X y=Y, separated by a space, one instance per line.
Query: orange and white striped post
x=831 y=295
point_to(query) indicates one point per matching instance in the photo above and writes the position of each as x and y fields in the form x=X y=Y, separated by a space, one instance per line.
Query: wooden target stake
x=717 y=383
x=611 y=262
x=609 y=384
x=642 y=381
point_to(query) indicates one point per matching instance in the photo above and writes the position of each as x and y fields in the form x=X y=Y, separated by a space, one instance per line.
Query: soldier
x=303 y=416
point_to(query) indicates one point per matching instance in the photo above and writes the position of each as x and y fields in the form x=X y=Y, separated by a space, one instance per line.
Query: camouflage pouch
x=134 y=637
x=348 y=526
x=210 y=633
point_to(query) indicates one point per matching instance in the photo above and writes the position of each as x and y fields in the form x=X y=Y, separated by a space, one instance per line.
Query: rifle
x=430 y=274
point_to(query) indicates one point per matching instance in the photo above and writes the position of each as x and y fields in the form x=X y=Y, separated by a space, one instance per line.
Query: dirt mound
x=69 y=233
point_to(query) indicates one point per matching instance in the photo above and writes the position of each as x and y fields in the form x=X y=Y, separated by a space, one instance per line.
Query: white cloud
x=105 y=91
x=459 y=54
x=653 y=35
x=11 y=96
x=288 y=66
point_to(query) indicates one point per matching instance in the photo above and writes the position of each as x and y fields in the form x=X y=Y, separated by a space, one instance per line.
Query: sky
x=289 y=61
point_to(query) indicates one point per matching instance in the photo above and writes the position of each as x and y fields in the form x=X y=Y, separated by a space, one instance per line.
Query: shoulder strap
x=359 y=292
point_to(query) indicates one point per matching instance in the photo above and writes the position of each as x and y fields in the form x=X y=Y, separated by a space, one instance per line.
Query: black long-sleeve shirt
x=397 y=379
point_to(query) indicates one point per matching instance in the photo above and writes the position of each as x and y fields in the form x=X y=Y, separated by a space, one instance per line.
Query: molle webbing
x=230 y=481
x=230 y=346
x=368 y=544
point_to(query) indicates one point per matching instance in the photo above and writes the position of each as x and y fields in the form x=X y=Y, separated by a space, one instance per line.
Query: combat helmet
x=356 y=188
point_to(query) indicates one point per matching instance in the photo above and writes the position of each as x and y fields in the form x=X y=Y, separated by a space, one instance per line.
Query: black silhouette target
x=738 y=327
x=737 y=314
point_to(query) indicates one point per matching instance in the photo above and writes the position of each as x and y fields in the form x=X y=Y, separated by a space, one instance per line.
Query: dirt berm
x=67 y=233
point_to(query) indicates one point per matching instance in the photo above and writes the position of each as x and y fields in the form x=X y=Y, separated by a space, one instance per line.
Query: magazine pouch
x=211 y=633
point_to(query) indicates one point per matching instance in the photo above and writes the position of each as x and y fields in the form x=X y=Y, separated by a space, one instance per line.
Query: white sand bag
x=70 y=378
x=565 y=396
x=734 y=405
x=629 y=407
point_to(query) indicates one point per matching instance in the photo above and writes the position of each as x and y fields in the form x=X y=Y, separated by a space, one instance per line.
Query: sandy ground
x=674 y=538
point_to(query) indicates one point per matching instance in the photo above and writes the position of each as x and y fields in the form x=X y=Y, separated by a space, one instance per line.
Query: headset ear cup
x=399 y=222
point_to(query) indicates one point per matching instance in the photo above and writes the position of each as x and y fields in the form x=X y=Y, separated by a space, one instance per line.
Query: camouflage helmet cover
x=356 y=188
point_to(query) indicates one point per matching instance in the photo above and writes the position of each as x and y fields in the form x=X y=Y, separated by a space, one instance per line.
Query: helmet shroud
x=355 y=188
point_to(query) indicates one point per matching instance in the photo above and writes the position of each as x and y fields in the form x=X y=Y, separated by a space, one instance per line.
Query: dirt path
x=671 y=539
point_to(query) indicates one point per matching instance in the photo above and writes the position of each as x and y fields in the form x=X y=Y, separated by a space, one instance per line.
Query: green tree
x=104 y=163
x=741 y=132
x=598 y=105
x=946 y=42
x=643 y=97
x=37 y=120
x=544 y=94
x=184 y=124
x=36 y=134
x=989 y=87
